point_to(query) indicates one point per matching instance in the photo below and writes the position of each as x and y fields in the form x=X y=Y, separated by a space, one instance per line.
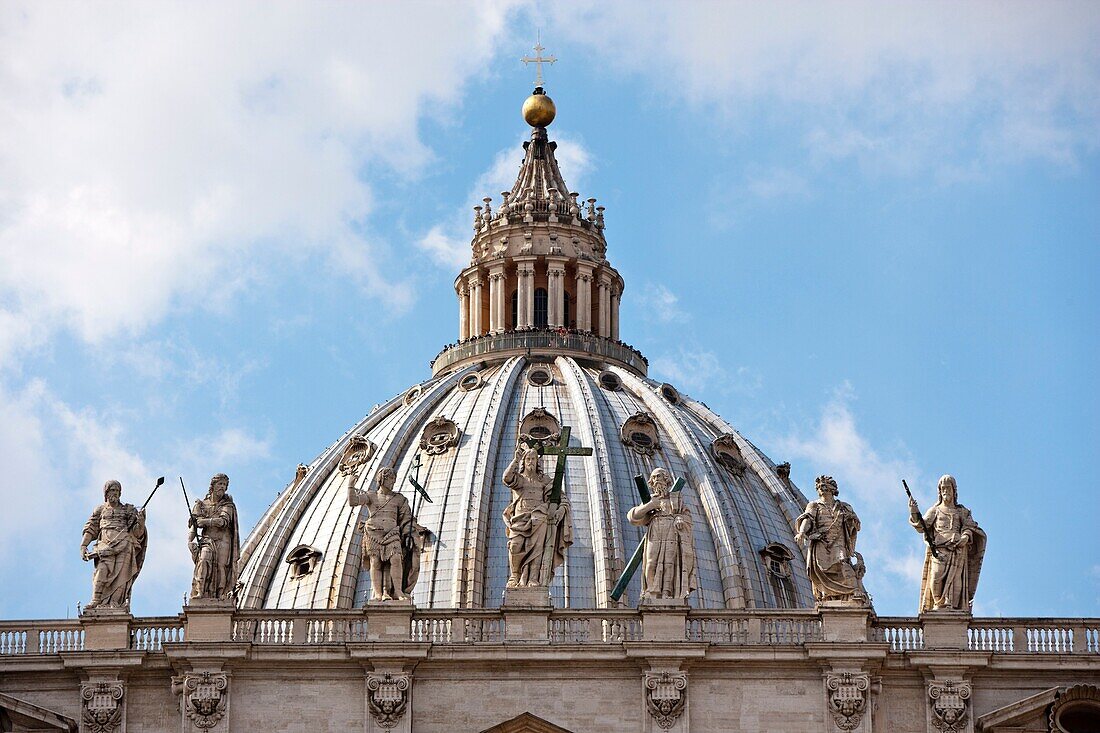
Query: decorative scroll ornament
x=949 y=705
x=387 y=698
x=639 y=433
x=101 y=707
x=358 y=452
x=728 y=454
x=539 y=427
x=847 y=694
x=204 y=698
x=665 y=696
x=440 y=435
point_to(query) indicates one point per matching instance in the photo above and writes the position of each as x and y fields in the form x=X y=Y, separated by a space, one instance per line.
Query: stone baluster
x=488 y=218
x=553 y=207
x=574 y=207
x=477 y=219
x=599 y=217
x=505 y=206
x=592 y=210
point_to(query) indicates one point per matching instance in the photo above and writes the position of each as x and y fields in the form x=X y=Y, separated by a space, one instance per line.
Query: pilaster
x=616 y=297
x=496 y=298
x=525 y=278
x=463 y=312
x=584 y=296
x=555 y=275
x=605 y=304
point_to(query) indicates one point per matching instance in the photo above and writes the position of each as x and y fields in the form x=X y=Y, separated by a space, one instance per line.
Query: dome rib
x=468 y=582
x=607 y=546
x=730 y=546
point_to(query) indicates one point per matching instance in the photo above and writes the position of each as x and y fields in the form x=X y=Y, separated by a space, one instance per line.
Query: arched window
x=515 y=309
x=541 y=302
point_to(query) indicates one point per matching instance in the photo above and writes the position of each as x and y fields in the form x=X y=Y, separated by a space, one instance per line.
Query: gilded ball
x=539 y=110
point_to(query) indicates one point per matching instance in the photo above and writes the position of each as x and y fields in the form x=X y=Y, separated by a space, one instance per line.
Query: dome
x=538 y=351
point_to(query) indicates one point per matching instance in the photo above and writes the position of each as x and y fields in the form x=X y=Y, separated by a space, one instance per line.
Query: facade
x=500 y=496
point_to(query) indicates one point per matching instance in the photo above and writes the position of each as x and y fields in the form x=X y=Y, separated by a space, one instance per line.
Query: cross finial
x=538 y=59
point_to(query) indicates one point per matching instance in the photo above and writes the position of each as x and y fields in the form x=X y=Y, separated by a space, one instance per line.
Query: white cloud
x=689 y=369
x=164 y=155
x=870 y=480
x=663 y=303
x=449 y=243
x=899 y=87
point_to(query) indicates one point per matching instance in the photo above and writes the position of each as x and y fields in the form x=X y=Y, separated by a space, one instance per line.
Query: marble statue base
x=398 y=603
x=213 y=603
x=535 y=596
x=659 y=604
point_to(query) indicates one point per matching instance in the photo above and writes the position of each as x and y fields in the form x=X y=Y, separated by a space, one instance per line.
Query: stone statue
x=538 y=532
x=418 y=537
x=215 y=542
x=387 y=535
x=118 y=531
x=668 y=569
x=951 y=576
x=828 y=529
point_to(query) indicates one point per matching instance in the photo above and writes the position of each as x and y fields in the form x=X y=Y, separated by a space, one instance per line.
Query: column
x=584 y=297
x=616 y=296
x=496 y=299
x=555 y=275
x=476 y=326
x=525 y=307
x=463 y=311
x=605 y=304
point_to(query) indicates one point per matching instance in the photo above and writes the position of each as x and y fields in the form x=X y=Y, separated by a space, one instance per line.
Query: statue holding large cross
x=537 y=521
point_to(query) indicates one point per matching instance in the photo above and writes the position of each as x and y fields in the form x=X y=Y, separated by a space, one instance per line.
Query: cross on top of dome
x=538 y=59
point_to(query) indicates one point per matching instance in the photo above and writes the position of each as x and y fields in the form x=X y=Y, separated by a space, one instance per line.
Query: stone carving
x=299 y=475
x=439 y=436
x=665 y=696
x=668 y=569
x=728 y=454
x=639 y=433
x=949 y=704
x=101 y=706
x=670 y=393
x=412 y=395
x=950 y=577
x=777 y=559
x=359 y=450
x=783 y=471
x=118 y=531
x=215 y=542
x=539 y=427
x=387 y=698
x=387 y=535
x=1072 y=706
x=827 y=529
x=848 y=696
x=204 y=697
x=537 y=530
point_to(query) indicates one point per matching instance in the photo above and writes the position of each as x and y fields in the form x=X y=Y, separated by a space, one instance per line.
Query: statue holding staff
x=118 y=531
x=953 y=560
x=669 y=555
x=387 y=535
x=828 y=529
x=215 y=542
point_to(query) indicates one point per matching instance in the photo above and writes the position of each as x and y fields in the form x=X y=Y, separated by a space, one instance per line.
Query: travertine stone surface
x=118 y=531
x=103 y=707
x=848 y=698
x=204 y=701
x=538 y=532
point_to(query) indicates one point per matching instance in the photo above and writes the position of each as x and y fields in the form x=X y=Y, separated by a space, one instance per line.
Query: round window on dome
x=669 y=393
x=610 y=381
x=470 y=382
x=413 y=395
x=539 y=376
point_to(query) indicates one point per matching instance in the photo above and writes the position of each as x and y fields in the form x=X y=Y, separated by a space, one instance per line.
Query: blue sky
x=865 y=234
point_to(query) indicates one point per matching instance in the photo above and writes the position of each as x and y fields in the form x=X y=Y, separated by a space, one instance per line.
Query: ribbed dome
x=738 y=514
x=553 y=357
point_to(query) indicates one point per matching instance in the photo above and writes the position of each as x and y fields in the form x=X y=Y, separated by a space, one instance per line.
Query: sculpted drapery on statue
x=828 y=529
x=532 y=522
x=215 y=542
x=388 y=536
x=669 y=561
x=118 y=531
x=950 y=576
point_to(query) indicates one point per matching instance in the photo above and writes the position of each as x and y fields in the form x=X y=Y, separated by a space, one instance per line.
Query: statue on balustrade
x=387 y=536
x=215 y=542
x=953 y=559
x=668 y=569
x=118 y=531
x=827 y=530
x=538 y=524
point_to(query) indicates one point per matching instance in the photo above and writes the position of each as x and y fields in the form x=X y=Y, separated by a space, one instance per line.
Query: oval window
x=610 y=381
x=539 y=377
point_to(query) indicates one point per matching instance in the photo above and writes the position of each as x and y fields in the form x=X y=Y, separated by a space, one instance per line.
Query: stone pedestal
x=107 y=628
x=664 y=619
x=945 y=629
x=527 y=613
x=389 y=620
x=844 y=621
x=209 y=620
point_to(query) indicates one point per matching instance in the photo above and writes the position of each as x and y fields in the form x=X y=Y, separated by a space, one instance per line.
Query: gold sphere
x=539 y=110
